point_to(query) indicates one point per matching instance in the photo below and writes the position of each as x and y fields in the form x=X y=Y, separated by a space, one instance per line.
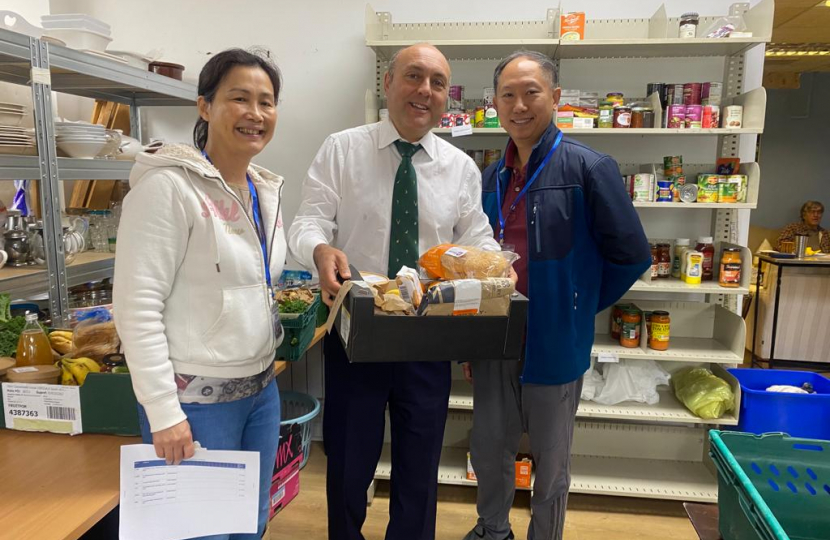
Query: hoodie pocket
x=552 y=222
x=243 y=331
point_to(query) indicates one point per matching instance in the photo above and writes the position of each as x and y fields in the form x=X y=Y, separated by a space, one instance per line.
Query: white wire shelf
x=645 y=478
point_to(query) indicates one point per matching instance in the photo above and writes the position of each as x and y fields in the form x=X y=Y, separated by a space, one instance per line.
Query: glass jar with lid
x=688 y=25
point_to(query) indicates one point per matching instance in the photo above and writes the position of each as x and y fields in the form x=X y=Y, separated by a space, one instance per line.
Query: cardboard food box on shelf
x=371 y=337
x=524 y=471
x=105 y=404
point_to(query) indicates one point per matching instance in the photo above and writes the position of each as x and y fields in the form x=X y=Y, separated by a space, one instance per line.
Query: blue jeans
x=251 y=424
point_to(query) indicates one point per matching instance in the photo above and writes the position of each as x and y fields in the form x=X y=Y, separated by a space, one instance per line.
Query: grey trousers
x=504 y=409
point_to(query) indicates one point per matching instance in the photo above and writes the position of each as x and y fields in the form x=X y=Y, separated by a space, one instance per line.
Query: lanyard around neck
x=258 y=222
x=524 y=190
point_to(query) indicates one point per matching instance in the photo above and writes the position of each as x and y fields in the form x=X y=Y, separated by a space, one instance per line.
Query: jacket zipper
x=535 y=221
x=576 y=295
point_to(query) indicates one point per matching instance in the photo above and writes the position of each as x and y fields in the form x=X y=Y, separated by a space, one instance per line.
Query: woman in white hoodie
x=200 y=240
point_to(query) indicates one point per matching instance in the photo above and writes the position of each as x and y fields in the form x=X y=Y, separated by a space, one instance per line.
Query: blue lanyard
x=258 y=223
x=523 y=192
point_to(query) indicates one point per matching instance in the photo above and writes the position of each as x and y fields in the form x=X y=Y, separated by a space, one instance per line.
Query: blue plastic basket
x=298 y=408
x=799 y=415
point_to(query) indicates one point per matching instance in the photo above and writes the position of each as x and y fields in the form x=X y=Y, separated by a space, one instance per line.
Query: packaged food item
x=663 y=261
x=691 y=93
x=673 y=165
x=643 y=190
x=491 y=116
x=606 y=115
x=711 y=116
x=730 y=268
x=479 y=117
x=681 y=246
x=616 y=320
x=740 y=181
x=664 y=191
x=616 y=98
x=33 y=347
x=733 y=116
x=565 y=119
x=655 y=260
x=728 y=189
x=622 y=116
x=711 y=93
x=707 y=188
x=489 y=296
x=677 y=183
x=728 y=165
x=572 y=26
x=658 y=338
x=688 y=25
x=688 y=193
x=456 y=97
x=448 y=261
x=491 y=156
x=676 y=116
x=694 y=117
x=409 y=285
x=692 y=269
x=631 y=323
x=705 y=246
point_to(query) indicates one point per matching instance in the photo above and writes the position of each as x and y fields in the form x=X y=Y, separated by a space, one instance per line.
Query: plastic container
x=681 y=246
x=771 y=487
x=799 y=415
x=705 y=245
x=297 y=408
x=298 y=331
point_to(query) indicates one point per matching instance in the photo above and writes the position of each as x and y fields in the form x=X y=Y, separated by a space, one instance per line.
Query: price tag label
x=461 y=131
x=42 y=407
x=607 y=358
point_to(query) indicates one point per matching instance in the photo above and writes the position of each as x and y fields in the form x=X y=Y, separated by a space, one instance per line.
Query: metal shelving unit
x=628 y=449
x=45 y=67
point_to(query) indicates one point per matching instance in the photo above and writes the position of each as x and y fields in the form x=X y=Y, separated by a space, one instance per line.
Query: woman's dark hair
x=215 y=71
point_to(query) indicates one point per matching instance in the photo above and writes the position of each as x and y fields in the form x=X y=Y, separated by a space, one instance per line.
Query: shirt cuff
x=164 y=412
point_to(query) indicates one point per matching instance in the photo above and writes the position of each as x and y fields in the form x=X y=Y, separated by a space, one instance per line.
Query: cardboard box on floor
x=285 y=482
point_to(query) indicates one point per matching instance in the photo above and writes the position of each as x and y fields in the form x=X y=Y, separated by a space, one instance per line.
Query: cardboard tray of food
x=369 y=336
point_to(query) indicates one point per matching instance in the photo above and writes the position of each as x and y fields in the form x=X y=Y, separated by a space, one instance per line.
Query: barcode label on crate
x=42 y=407
x=60 y=413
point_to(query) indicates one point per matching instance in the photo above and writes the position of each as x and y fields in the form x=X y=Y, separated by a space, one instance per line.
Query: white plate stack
x=13 y=138
x=80 y=139
x=78 y=31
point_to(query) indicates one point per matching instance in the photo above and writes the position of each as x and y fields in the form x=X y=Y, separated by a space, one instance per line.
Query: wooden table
x=704 y=518
x=56 y=486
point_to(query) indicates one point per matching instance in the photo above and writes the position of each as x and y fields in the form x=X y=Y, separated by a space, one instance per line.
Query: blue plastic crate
x=799 y=415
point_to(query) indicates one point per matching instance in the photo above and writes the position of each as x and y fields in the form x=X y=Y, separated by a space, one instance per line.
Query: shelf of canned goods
x=628 y=449
x=46 y=67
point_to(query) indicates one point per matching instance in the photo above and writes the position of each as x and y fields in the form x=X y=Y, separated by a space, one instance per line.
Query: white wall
x=795 y=162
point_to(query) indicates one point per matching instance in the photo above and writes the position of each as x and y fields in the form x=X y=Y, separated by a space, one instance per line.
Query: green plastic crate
x=299 y=331
x=772 y=486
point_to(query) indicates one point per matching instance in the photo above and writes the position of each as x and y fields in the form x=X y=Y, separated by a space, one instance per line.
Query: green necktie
x=403 y=238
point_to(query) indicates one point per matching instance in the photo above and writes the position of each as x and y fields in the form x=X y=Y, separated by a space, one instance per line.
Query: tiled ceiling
x=799 y=26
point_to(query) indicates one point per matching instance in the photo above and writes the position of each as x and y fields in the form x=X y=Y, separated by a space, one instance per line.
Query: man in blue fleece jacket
x=563 y=208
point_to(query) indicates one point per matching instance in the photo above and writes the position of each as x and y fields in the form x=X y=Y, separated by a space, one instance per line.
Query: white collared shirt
x=347 y=198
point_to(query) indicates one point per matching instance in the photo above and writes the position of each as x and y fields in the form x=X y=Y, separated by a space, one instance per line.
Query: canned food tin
x=733 y=116
x=740 y=181
x=489 y=97
x=677 y=116
x=479 y=117
x=648 y=118
x=659 y=89
x=727 y=190
x=664 y=191
x=478 y=157
x=711 y=93
x=457 y=92
x=711 y=116
x=491 y=117
x=677 y=183
x=694 y=116
x=688 y=193
x=622 y=116
x=491 y=156
x=673 y=165
x=691 y=93
x=675 y=94
x=643 y=187
x=707 y=188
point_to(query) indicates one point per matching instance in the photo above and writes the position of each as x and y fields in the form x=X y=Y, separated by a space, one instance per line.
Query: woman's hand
x=174 y=443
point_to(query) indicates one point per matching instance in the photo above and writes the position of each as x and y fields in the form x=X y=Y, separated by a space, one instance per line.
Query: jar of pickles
x=606 y=115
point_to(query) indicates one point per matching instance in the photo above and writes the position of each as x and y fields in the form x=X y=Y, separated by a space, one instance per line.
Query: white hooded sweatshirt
x=189 y=290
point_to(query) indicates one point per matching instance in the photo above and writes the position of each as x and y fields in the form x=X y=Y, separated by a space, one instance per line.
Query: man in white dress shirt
x=377 y=196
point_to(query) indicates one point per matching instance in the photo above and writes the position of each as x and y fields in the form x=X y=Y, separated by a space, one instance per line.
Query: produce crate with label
x=629 y=448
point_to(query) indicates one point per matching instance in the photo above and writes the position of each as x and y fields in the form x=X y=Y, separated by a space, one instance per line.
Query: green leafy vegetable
x=293 y=306
x=5 y=307
x=10 y=334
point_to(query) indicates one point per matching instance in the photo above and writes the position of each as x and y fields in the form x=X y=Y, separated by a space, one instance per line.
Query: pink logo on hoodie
x=220 y=210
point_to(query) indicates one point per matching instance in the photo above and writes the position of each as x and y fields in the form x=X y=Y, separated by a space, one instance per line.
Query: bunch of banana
x=61 y=341
x=75 y=370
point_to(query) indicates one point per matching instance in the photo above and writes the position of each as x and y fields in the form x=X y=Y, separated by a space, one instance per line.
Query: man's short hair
x=544 y=61
x=394 y=60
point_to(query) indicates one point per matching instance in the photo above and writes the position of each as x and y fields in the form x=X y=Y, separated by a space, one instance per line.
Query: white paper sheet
x=215 y=492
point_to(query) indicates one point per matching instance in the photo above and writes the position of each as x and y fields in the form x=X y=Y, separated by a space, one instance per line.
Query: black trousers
x=353 y=429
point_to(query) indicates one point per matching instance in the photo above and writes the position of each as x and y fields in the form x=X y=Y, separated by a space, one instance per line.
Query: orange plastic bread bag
x=448 y=261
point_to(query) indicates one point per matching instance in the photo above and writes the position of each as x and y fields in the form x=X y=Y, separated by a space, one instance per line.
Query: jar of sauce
x=630 y=335
x=616 y=98
x=688 y=25
x=616 y=320
x=705 y=245
x=663 y=261
x=730 y=268
x=622 y=116
x=659 y=336
x=655 y=261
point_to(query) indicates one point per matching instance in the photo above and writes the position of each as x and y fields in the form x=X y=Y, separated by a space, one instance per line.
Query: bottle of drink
x=33 y=347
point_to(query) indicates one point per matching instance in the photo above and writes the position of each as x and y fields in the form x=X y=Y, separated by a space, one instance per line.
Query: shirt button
x=517 y=189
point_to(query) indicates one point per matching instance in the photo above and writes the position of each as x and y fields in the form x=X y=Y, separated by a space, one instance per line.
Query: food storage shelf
x=27 y=167
x=669 y=409
x=677 y=286
x=30 y=280
x=654 y=48
x=644 y=478
x=470 y=49
x=699 y=333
